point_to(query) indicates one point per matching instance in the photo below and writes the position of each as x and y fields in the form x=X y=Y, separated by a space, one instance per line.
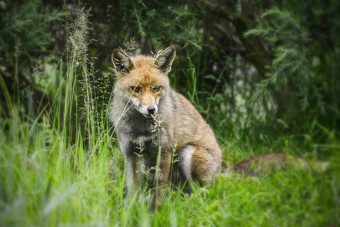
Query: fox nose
x=151 y=109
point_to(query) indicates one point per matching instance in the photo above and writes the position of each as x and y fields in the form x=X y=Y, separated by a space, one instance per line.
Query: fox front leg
x=160 y=184
x=131 y=179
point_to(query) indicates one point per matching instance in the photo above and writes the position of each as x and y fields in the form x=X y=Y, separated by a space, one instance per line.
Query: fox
x=141 y=93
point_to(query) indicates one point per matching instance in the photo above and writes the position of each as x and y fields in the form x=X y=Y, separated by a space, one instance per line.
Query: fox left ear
x=165 y=58
x=121 y=61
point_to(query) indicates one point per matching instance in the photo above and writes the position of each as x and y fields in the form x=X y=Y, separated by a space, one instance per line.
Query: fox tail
x=267 y=163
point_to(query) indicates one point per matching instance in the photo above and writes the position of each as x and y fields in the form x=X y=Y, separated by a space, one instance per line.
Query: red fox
x=141 y=92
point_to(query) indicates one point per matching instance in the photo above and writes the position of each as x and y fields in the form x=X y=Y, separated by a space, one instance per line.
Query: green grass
x=45 y=181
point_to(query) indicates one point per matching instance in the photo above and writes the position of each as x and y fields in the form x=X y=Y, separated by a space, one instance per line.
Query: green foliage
x=163 y=23
x=24 y=33
x=303 y=74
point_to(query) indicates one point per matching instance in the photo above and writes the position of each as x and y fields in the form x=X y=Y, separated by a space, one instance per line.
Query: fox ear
x=121 y=61
x=165 y=58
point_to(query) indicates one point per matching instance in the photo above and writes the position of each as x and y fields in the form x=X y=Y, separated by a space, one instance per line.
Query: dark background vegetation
x=253 y=67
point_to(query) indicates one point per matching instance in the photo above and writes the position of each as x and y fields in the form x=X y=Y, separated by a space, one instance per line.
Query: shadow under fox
x=155 y=125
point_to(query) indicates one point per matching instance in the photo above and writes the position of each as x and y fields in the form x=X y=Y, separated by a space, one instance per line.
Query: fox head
x=143 y=80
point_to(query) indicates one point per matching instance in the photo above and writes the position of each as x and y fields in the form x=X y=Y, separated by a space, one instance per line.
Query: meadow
x=56 y=171
x=60 y=164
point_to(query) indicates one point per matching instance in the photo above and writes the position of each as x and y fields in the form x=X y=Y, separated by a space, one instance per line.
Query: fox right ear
x=121 y=61
x=165 y=58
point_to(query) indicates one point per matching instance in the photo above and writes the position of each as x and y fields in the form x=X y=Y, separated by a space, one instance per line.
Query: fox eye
x=136 y=89
x=156 y=89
